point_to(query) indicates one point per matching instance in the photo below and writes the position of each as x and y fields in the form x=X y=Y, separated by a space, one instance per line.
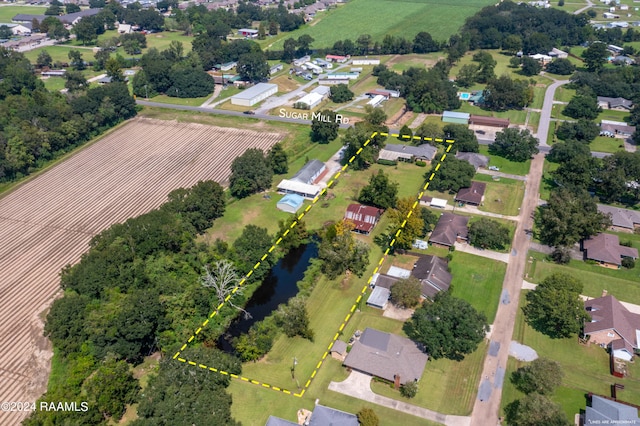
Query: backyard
x=503 y=196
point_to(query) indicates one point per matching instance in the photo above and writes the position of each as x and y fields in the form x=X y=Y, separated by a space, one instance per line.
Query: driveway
x=358 y=385
x=489 y=254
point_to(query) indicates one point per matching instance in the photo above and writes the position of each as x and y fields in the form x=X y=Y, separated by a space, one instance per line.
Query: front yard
x=503 y=196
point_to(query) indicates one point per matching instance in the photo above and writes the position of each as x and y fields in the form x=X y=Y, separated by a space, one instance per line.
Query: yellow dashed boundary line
x=279 y=240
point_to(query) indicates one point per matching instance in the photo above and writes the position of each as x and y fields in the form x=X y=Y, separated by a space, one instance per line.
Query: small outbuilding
x=481 y=120
x=255 y=94
x=290 y=203
x=379 y=297
x=248 y=32
x=339 y=350
x=455 y=117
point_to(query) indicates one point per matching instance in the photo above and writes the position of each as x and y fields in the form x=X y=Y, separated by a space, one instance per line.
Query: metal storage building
x=255 y=94
x=290 y=203
x=455 y=117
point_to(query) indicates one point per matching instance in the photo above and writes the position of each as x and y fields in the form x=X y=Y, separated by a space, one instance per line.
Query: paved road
x=486 y=411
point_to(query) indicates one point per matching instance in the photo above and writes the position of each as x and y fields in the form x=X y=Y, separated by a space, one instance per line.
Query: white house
x=18 y=29
x=365 y=62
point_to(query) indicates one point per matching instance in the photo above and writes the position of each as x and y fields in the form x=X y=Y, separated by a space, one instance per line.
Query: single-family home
x=607 y=251
x=388 y=356
x=124 y=28
x=274 y=69
x=618 y=104
x=248 y=32
x=623 y=60
x=320 y=416
x=609 y=15
x=616 y=50
x=617 y=128
x=474 y=195
x=607 y=412
x=408 y=153
x=543 y=59
x=455 y=117
x=363 y=218
x=473 y=158
x=342 y=75
x=449 y=229
x=377 y=100
x=366 y=61
x=614 y=326
x=18 y=29
x=301 y=61
x=433 y=273
x=557 y=53
x=337 y=58
x=378 y=92
x=621 y=219
x=303 y=182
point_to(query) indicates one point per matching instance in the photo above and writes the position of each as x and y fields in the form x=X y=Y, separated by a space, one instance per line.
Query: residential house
x=475 y=159
x=557 y=53
x=474 y=195
x=366 y=61
x=377 y=100
x=321 y=416
x=337 y=58
x=303 y=183
x=408 y=153
x=449 y=229
x=433 y=273
x=621 y=219
x=364 y=218
x=543 y=59
x=616 y=128
x=607 y=251
x=18 y=29
x=388 y=356
x=613 y=326
x=609 y=15
x=124 y=28
x=248 y=32
x=378 y=92
x=274 y=69
x=623 y=60
x=607 y=412
x=618 y=104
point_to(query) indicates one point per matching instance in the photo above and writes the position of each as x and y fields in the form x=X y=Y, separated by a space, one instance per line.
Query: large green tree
x=487 y=233
x=595 y=56
x=465 y=138
x=250 y=173
x=448 y=327
x=542 y=376
x=380 y=192
x=324 y=131
x=568 y=217
x=535 y=410
x=452 y=175
x=582 y=130
x=514 y=144
x=199 y=205
x=555 y=307
x=340 y=93
x=582 y=106
x=111 y=388
x=406 y=293
x=340 y=252
x=253 y=66
x=413 y=228
x=278 y=159
x=503 y=93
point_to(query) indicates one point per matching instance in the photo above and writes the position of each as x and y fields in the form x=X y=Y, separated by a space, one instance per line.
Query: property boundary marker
x=285 y=391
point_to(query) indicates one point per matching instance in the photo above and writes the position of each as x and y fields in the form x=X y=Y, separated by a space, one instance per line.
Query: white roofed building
x=255 y=94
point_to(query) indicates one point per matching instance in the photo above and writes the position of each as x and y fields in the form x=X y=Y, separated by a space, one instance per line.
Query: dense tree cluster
x=452 y=175
x=535 y=409
x=487 y=233
x=514 y=144
x=37 y=125
x=504 y=93
x=340 y=252
x=250 y=173
x=380 y=192
x=427 y=91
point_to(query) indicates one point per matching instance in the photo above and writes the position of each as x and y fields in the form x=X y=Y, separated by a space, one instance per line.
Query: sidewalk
x=358 y=385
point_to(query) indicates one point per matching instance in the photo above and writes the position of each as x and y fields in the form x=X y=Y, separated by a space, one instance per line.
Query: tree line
x=37 y=126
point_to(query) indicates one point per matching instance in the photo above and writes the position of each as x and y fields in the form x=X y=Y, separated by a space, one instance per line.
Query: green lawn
x=586 y=369
x=477 y=280
x=563 y=94
x=506 y=166
x=54 y=84
x=608 y=114
x=605 y=144
x=378 y=18
x=446 y=386
x=622 y=283
x=8 y=12
x=547 y=182
x=178 y=101
x=515 y=116
x=503 y=196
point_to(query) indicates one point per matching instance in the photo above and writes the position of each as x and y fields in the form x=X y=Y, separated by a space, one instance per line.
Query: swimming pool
x=464 y=96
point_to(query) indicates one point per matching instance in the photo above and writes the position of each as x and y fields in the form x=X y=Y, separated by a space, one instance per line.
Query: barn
x=255 y=94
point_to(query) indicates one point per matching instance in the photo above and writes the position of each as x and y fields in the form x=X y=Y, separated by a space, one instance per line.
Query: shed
x=339 y=348
x=255 y=94
x=455 y=117
x=379 y=298
x=309 y=101
x=290 y=203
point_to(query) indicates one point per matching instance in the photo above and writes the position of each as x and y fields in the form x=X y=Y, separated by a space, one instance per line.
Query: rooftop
x=605 y=411
x=449 y=228
x=473 y=194
x=608 y=313
x=433 y=273
x=623 y=218
x=256 y=90
x=309 y=171
x=606 y=248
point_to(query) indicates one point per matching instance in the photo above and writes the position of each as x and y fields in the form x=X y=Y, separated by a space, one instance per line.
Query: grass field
x=8 y=12
x=178 y=101
x=622 y=283
x=563 y=94
x=503 y=196
x=506 y=166
x=477 y=280
x=405 y=18
x=586 y=369
x=605 y=144
x=547 y=182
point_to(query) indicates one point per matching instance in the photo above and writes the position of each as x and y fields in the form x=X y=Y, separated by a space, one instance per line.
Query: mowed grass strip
x=506 y=166
x=621 y=283
x=502 y=196
x=586 y=367
x=8 y=12
x=378 y=18
x=477 y=280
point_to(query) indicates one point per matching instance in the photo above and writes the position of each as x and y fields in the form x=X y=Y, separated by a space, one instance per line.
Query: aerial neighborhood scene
x=319 y=212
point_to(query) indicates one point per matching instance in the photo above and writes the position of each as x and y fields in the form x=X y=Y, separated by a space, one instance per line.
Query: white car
x=494 y=168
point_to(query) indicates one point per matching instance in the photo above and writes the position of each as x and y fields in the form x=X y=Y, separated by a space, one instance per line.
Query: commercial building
x=255 y=94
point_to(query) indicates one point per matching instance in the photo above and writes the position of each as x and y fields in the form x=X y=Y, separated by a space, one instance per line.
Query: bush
x=626 y=243
x=409 y=389
x=421 y=163
x=387 y=162
x=561 y=255
x=368 y=417
x=628 y=263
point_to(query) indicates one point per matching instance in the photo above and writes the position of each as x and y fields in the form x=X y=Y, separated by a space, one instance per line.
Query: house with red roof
x=364 y=218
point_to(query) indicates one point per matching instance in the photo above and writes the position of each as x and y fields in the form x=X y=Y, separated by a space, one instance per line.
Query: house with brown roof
x=607 y=251
x=614 y=326
x=624 y=220
x=388 y=356
x=433 y=273
x=474 y=195
x=449 y=229
x=364 y=218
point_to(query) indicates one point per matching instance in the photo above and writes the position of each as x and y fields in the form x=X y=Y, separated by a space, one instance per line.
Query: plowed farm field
x=47 y=223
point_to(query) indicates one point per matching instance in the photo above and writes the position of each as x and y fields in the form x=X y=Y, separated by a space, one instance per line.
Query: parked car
x=494 y=168
x=249 y=112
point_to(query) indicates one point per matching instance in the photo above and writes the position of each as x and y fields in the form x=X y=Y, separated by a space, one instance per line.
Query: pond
x=278 y=287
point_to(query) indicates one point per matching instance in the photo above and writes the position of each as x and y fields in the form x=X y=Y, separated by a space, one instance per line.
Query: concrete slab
x=498 y=379
x=505 y=299
x=484 y=392
x=522 y=352
x=494 y=347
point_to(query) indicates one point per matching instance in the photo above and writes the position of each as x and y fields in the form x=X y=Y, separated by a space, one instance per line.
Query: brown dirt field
x=47 y=222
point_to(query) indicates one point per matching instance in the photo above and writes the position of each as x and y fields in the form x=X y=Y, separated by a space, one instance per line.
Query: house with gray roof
x=433 y=273
x=321 y=416
x=620 y=104
x=473 y=158
x=401 y=152
x=614 y=326
x=310 y=172
x=621 y=219
x=388 y=356
x=449 y=229
x=605 y=411
x=607 y=251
